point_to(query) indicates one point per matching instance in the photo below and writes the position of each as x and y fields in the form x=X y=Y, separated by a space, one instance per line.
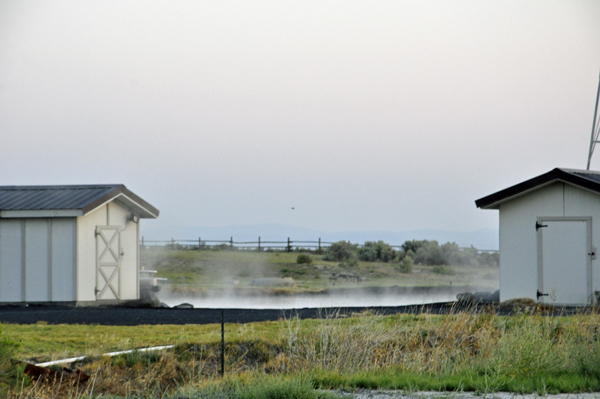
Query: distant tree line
x=422 y=252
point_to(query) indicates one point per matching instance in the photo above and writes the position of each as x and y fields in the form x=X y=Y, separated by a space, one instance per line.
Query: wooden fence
x=259 y=245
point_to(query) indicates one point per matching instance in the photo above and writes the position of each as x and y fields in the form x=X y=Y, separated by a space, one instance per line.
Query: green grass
x=258 y=387
x=410 y=381
x=43 y=342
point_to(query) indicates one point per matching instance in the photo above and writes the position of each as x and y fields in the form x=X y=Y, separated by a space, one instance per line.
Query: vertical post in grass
x=199 y=243
x=231 y=242
x=222 y=343
x=289 y=247
x=258 y=243
x=319 y=244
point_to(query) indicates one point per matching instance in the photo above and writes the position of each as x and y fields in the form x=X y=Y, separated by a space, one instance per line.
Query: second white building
x=549 y=235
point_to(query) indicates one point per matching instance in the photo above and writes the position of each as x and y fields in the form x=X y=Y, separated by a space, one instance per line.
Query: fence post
x=222 y=343
x=199 y=243
x=231 y=242
x=319 y=244
x=258 y=243
x=289 y=247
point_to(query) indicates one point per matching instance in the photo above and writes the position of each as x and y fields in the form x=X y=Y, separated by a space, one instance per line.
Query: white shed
x=549 y=232
x=76 y=244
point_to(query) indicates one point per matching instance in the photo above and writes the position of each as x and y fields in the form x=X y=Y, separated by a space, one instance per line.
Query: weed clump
x=304 y=259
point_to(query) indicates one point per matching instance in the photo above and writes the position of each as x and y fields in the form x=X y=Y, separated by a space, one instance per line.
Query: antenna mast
x=595 y=129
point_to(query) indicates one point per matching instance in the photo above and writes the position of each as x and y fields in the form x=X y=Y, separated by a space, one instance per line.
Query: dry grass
x=466 y=350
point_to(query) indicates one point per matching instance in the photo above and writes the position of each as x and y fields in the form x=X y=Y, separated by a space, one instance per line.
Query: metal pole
x=593 y=139
x=319 y=244
x=258 y=243
x=289 y=248
x=231 y=242
x=222 y=343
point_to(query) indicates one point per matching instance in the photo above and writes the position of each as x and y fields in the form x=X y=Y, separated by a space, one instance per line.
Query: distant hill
x=481 y=239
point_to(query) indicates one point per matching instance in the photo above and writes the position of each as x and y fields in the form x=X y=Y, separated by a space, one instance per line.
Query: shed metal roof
x=587 y=179
x=84 y=198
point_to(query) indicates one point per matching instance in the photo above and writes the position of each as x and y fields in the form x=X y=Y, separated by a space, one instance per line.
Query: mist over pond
x=334 y=298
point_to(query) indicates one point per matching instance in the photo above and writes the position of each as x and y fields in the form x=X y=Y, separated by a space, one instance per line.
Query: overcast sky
x=362 y=115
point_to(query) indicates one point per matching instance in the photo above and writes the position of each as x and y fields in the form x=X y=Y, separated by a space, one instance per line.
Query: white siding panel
x=11 y=260
x=518 y=240
x=129 y=244
x=63 y=259
x=37 y=255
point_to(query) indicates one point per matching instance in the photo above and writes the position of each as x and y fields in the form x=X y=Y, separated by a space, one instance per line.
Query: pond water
x=336 y=299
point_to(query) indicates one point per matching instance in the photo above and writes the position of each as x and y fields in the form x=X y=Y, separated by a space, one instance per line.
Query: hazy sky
x=362 y=115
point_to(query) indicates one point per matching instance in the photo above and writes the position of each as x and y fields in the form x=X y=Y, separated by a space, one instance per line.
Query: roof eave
x=493 y=201
x=127 y=199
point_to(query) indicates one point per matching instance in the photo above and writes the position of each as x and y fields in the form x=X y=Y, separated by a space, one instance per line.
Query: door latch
x=539 y=226
x=593 y=253
x=539 y=294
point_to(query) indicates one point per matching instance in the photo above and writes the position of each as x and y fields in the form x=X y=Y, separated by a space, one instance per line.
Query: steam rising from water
x=295 y=302
x=232 y=268
x=346 y=298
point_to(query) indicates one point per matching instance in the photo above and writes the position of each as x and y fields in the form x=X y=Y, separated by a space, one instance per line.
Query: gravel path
x=367 y=394
x=131 y=316
x=120 y=316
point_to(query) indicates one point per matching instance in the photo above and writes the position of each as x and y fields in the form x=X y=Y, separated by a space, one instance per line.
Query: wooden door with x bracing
x=108 y=262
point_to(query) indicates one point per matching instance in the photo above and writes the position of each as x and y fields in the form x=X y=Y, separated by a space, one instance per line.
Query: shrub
x=413 y=245
x=406 y=265
x=352 y=262
x=431 y=253
x=373 y=251
x=445 y=270
x=340 y=251
x=304 y=259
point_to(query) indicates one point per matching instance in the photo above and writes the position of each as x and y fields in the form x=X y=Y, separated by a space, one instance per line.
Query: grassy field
x=210 y=269
x=457 y=352
x=290 y=358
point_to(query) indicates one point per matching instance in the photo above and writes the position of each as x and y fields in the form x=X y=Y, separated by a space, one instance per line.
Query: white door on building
x=108 y=262
x=564 y=260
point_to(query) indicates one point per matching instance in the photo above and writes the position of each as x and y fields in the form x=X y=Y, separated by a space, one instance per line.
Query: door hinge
x=539 y=226
x=539 y=294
